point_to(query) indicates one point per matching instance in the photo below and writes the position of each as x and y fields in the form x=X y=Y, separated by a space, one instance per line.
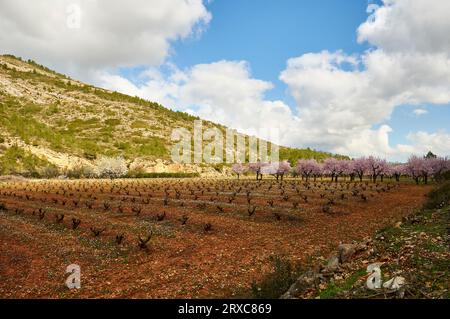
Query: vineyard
x=172 y=238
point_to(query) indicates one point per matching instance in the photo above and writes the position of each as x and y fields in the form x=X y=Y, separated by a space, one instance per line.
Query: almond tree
x=360 y=167
x=347 y=169
x=334 y=167
x=256 y=168
x=414 y=167
x=269 y=169
x=439 y=166
x=239 y=169
x=384 y=169
x=397 y=170
x=377 y=167
x=283 y=168
x=308 y=168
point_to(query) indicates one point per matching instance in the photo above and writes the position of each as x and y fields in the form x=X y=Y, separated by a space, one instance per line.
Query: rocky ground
x=414 y=253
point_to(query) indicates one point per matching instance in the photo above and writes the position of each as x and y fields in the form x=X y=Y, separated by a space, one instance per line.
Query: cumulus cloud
x=342 y=101
x=343 y=97
x=419 y=26
x=110 y=34
x=340 y=98
x=223 y=91
x=422 y=142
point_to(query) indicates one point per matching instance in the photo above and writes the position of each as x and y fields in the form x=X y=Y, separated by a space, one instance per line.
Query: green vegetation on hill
x=15 y=160
x=46 y=109
x=292 y=154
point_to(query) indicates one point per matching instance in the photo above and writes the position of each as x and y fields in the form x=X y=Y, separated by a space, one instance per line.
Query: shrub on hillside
x=49 y=172
x=277 y=282
x=439 y=197
x=80 y=171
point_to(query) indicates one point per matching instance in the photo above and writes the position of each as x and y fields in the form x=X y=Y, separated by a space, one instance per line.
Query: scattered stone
x=395 y=283
x=303 y=282
x=332 y=265
x=346 y=252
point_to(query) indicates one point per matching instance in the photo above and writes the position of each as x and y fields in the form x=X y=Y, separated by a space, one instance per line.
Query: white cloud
x=340 y=98
x=422 y=142
x=223 y=91
x=343 y=97
x=419 y=112
x=419 y=26
x=111 y=34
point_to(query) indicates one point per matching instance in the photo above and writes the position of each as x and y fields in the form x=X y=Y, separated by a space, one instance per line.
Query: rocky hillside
x=50 y=121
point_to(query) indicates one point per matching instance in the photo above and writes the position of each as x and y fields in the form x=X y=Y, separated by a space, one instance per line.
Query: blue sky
x=268 y=35
x=327 y=74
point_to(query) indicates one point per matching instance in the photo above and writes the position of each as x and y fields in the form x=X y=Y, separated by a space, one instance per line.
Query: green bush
x=79 y=171
x=49 y=172
x=139 y=124
x=112 y=122
x=446 y=176
x=439 y=197
x=277 y=282
x=16 y=160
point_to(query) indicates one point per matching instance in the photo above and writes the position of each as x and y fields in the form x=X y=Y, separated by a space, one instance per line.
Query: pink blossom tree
x=334 y=167
x=308 y=168
x=384 y=169
x=278 y=169
x=256 y=168
x=439 y=165
x=347 y=169
x=283 y=168
x=397 y=170
x=376 y=167
x=239 y=169
x=360 y=167
x=414 y=167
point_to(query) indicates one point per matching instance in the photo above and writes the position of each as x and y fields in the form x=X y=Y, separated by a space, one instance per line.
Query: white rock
x=394 y=283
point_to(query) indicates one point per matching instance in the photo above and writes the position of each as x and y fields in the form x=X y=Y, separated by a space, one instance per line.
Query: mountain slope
x=63 y=122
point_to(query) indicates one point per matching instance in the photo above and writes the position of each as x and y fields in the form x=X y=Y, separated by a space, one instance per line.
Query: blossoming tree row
x=418 y=168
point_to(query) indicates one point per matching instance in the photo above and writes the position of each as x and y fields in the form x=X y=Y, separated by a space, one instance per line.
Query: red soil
x=181 y=261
